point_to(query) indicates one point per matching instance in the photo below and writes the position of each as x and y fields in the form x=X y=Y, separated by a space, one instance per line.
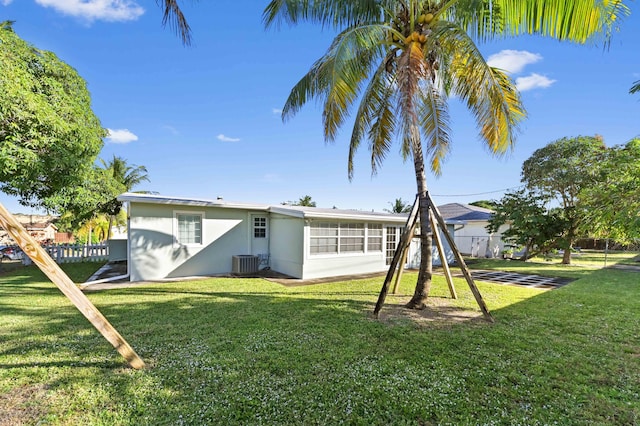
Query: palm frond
x=573 y=20
x=434 y=121
x=328 y=13
x=337 y=77
x=635 y=88
x=176 y=20
x=374 y=119
x=488 y=93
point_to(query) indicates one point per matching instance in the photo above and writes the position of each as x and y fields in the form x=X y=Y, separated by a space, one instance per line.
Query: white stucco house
x=171 y=237
x=471 y=235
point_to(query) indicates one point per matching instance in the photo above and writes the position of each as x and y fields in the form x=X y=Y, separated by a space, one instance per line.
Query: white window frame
x=264 y=226
x=379 y=237
x=342 y=234
x=176 y=227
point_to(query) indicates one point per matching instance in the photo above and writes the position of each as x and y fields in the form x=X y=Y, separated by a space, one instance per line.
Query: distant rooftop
x=464 y=212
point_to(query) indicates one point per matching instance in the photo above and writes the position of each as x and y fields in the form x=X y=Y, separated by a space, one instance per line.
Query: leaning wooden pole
x=460 y=260
x=404 y=241
x=403 y=260
x=51 y=269
x=443 y=256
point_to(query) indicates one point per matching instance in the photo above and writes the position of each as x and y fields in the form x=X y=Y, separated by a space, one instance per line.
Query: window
x=351 y=238
x=324 y=238
x=392 y=243
x=374 y=237
x=260 y=227
x=345 y=238
x=189 y=228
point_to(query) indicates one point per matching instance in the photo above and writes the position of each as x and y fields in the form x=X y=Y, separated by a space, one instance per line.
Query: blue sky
x=205 y=120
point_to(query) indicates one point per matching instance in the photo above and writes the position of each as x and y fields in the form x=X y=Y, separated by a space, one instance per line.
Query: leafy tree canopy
x=531 y=225
x=561 y=170
x=612 y=207
x=49 y=136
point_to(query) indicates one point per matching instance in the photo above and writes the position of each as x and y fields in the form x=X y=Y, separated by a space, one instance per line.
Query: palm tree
x=399 y=206
x=635 y=88
x=306 y=201
x=124 y=176
x=123 y=173
x=402 y=60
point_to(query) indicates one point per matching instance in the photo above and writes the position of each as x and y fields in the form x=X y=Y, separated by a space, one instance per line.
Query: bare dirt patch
x=439 y=312
x=23 y=405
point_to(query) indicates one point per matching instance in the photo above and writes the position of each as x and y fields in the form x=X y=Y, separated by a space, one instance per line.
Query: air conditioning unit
x=244 y=263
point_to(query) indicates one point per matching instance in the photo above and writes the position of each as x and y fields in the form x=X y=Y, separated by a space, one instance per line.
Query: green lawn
x=247 y=351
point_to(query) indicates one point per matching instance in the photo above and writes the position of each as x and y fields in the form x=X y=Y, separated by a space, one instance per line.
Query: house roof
x=464 y=212
x=295 y=211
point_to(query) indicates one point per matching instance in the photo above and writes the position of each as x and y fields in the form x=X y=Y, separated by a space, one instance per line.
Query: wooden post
x=404 y=241
x=40 y=257
x=403 y=261
x=443 y=256
x=460 y=260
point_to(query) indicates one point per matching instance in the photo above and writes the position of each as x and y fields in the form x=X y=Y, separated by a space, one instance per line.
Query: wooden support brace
x=443 y=256
x=404 y=241
x=403 y=260
x=51 y=269
x=463 y=266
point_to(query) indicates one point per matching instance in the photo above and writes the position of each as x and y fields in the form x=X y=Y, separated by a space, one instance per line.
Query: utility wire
x=480 y=193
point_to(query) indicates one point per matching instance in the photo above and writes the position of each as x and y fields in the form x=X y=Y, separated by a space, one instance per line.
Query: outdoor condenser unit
x=245 y=263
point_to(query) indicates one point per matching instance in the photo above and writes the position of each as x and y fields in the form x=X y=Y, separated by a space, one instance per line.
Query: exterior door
x=259 y=234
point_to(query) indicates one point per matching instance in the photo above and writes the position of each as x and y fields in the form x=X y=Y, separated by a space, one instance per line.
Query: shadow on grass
x=221 y=352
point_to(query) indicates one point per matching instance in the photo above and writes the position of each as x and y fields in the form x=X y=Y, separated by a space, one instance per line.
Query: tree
x=402 y=59
x=531 y=224
x=123 y=176
x=486 y=204
x=560 y=171
x=635 y=88
x=611 y=205
x=399 y=206
x=49 y=137
x=305 y=201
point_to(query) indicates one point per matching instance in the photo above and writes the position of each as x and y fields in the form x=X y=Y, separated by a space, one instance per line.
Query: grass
x=248 y=351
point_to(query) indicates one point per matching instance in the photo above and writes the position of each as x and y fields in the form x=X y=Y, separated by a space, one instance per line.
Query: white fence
x=67 y=253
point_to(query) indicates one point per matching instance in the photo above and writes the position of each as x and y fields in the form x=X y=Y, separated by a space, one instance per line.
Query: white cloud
x=533 y=81
x=171 y=130
x=5 y=2
x=224 y=138
x=91 y=10
x=121 y=136
x=277 y=111
x=513 y=61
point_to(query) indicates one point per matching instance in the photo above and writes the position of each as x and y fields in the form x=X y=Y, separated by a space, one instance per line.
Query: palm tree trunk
x=423 y=285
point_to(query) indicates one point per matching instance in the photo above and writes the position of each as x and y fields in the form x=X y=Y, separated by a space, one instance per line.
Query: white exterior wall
x=333 y=265
x=155 y=253
x=287 y=245
x=474 y=239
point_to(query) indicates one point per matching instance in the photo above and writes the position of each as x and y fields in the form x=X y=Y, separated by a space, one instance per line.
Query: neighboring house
x=172 y=237
x=471 y=235
x=40 y=227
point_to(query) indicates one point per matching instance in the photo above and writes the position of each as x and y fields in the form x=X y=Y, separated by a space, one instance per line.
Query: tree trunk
x=566 y=256
x=423 y=285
